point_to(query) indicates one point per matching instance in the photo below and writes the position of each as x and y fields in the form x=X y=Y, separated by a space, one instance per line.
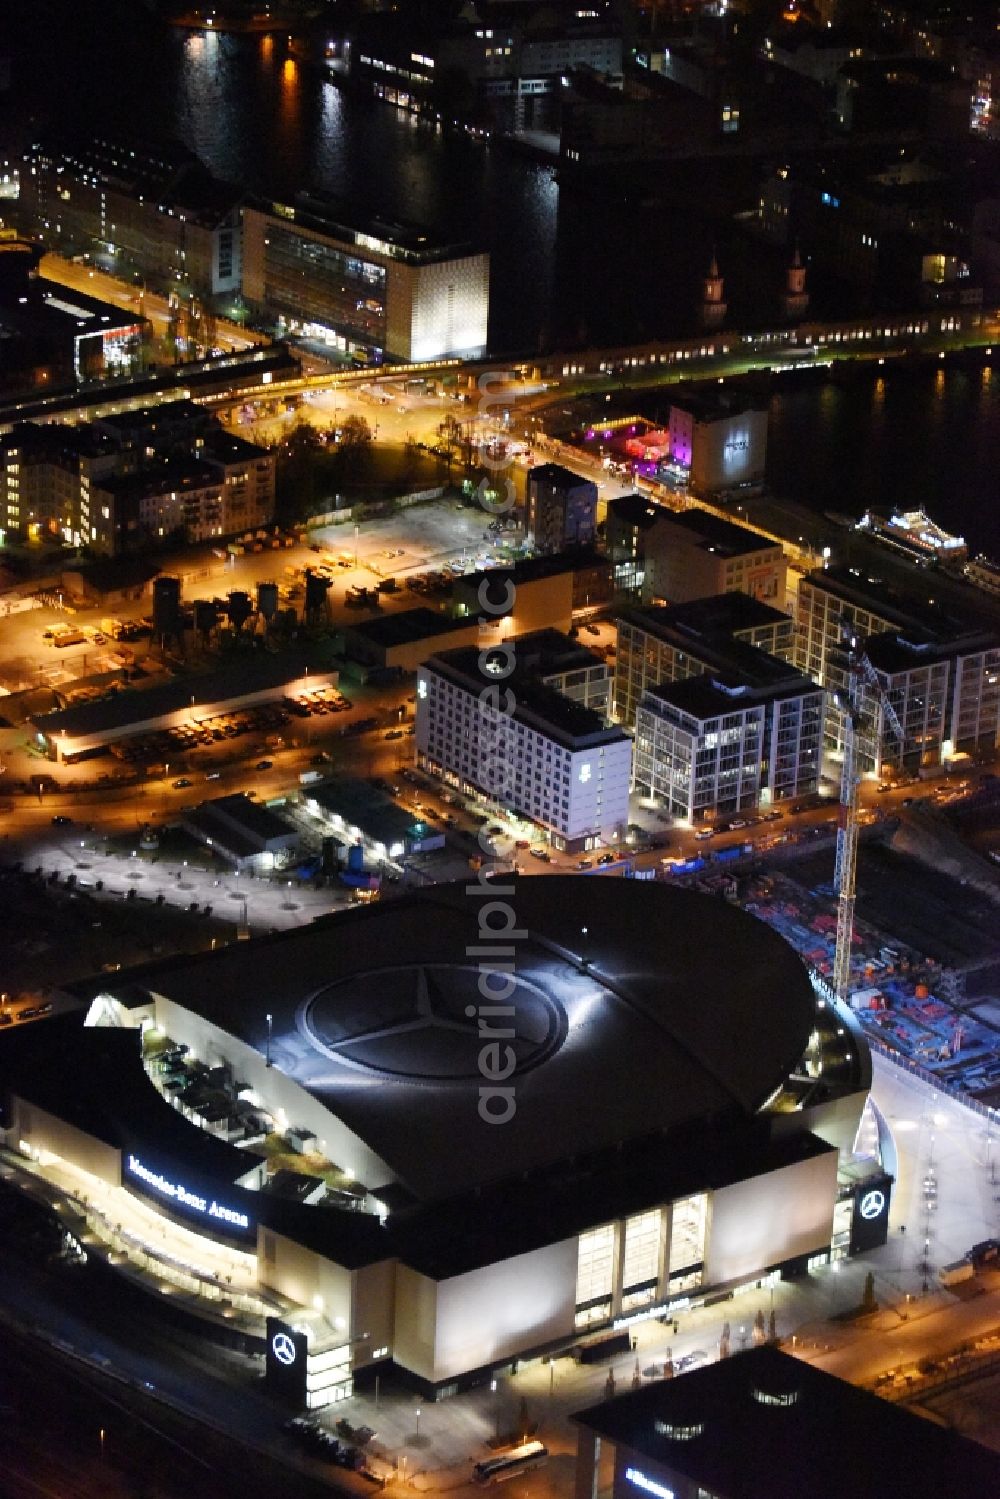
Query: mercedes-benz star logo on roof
x=283 y=1348
x=421 y=1022
x=872 y=1204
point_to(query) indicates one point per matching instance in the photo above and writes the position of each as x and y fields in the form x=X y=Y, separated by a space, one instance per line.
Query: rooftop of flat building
x=765 y=1425
x=535 y=569
x=406 y=627
x=716 y=693
x=226 y=447
x=716 y=535
x=58 y=440
x=558 y=477
x=713 y=405
x=187 y=694
x=921 y=618
x=634 y=510
x=546 y=652
x=568 y=723
x=717 y=616
x=894 y=652
x=162 y=476
x=365 y=807
x=166 y=413
x=50 y=310
x=164 y=173
x=260 y=823
x=343 y=220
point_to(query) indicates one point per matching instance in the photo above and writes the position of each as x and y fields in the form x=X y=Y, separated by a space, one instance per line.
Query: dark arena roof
x=639 y=1010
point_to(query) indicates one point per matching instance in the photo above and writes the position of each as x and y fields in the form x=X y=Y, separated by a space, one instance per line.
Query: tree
x=354 y=446
x=450 y=437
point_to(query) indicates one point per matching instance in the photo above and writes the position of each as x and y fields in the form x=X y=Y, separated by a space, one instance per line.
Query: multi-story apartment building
x=141 y=209
x=727 y=742
x=947 y=669
x=46 y=475
x=180 y=496
x=524 y=745
x=386 y=289
x=668 y=644
x=118 y=483
x=561 y=508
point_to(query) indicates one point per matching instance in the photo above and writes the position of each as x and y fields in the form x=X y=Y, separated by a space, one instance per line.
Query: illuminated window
x=595 y=1264
x=687 y=1232
x=642 y=1249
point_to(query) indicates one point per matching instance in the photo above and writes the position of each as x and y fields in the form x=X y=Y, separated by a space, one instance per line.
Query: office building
x=561 y=508
x=684 y=640
x=763 y=1424
x=683 y=1021
x=384 y=289
x=721 y=441
x=548 y=758
x=693 y=554
x=730 y=741
x=150 y=211
x=941 y=672
x=946 y=697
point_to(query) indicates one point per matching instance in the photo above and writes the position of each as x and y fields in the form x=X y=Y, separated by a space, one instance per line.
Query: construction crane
x=865 y=709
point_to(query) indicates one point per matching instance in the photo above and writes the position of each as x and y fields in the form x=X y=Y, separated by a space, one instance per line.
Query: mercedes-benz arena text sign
x=178 y=1194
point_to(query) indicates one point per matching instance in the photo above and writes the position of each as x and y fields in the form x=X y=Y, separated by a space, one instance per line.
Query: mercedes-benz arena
x=519 y=1111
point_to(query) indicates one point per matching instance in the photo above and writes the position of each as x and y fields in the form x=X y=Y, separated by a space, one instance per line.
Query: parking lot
x=267 y=718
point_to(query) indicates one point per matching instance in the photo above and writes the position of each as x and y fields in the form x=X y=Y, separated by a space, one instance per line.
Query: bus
x=510 y=1464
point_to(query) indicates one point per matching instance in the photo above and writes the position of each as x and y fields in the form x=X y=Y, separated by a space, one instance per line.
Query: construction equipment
x=866 y=711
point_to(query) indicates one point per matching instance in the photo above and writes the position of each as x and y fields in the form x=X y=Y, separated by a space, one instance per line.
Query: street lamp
x=267 y=1054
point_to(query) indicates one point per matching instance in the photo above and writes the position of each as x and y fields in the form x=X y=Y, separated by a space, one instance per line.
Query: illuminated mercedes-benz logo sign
x=283 y=1348
x=429 y=1022
x=872 y=1204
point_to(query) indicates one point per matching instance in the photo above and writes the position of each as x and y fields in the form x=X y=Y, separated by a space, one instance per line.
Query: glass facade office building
x=314 y=282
